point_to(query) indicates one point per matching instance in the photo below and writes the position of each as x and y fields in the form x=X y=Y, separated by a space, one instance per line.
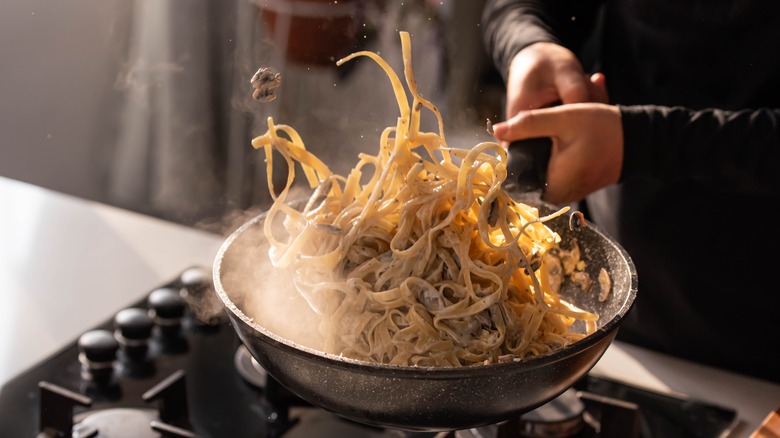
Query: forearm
x=736 y=150
x=511 y=25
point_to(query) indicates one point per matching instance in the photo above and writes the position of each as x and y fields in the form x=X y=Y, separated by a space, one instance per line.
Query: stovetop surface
x=221 y=403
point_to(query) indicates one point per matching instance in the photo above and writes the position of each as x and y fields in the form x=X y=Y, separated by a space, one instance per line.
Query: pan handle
x=527 y=164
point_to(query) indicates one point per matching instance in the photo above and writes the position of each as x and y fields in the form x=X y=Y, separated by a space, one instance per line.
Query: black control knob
x=97 y=354
x=197 y=289
x=166 y=308
x=98 y=346
x=133 y=330
x=195 y=281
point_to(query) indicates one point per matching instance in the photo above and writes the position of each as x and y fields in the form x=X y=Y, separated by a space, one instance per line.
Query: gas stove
x=162 y=368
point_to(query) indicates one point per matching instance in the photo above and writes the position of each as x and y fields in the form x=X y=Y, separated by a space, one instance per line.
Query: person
x=674 y=145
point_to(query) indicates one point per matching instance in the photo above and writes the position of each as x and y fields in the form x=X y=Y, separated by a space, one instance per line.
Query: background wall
x=142 y=103
x=58 y=102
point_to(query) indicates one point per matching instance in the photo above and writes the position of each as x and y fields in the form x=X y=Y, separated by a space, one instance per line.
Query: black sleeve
x=511 y=25
x=736 y=150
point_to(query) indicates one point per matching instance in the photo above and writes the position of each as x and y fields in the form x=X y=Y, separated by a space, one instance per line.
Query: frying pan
x=427 y=398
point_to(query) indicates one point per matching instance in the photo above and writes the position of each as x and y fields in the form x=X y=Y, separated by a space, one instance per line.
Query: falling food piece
x=265 y=82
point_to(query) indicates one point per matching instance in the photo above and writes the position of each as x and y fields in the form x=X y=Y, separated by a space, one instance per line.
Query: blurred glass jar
x=312 y=32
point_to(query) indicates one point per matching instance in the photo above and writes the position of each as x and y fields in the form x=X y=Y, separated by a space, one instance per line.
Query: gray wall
x=58 y=103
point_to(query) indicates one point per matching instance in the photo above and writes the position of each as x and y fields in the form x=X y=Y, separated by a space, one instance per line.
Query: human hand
x=543 y=74
x=587 y=152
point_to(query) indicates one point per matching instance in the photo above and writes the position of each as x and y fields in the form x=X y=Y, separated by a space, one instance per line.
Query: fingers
x=587 y=149
x=597 y=85
x=530 y=100
x=577 y=88
x=527 y=124
x=543 y=74
x=588 y=154
x=569 y=86
x=573 y=87
x=530 y=124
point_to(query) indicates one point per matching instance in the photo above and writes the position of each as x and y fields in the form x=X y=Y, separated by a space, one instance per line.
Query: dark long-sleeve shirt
x=698 y=85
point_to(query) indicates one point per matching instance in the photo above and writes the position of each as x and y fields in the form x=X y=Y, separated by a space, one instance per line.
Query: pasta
x=417 y=256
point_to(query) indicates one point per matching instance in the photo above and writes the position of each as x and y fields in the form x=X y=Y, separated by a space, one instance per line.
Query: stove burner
x=249 y=369
x=116 y=423
x=562 y=417
x=171 y=417
x=171 y=395
x=56 y=406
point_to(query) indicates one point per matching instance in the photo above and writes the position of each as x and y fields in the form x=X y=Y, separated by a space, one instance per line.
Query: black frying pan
x=420 y=398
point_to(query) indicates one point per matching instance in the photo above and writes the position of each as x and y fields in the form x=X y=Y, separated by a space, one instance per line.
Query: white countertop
x=68 y=264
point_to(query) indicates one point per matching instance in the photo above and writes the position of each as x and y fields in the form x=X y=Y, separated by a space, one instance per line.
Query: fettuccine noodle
x=418 y=256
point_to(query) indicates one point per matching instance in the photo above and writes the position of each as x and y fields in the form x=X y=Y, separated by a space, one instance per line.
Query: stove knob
x=195 y=281
x=97 y=354
x=198 y=291
x=133 y=330
x=166 y=308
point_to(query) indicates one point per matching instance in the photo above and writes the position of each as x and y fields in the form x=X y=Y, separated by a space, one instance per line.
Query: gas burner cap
x=116 y=423
x=249 y=369
x=561 y=417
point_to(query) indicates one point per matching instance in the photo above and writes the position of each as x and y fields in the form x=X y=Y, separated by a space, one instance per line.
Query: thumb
x=529 y=124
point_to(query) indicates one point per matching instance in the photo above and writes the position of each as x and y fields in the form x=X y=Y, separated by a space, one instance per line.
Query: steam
x=204 y=304
x=267 y=294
